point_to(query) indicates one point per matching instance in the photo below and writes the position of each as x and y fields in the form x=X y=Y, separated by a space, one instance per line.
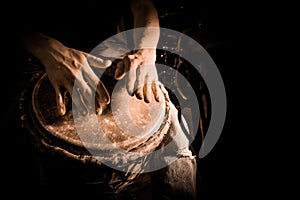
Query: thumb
x=60 y=103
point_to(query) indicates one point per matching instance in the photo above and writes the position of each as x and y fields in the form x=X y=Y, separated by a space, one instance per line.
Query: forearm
x=147 y=23
x=37 y=43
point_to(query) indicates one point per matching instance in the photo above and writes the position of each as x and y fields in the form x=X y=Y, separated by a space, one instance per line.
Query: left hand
x=142 y=78
x=69 y=70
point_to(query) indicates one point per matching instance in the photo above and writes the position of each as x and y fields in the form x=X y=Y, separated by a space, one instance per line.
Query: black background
x=233 y=169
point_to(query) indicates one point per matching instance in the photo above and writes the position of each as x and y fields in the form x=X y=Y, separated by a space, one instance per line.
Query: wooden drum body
x=129 y=127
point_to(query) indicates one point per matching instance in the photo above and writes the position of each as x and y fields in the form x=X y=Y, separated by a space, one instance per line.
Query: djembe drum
x=58 y=136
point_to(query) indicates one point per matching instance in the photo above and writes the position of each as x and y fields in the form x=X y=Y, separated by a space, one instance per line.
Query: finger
x=96 y=84
x=140 y=82
x=154 y=83
x=90 y=78
x=75 y=91
x=99 y=109
x=120 y=70
x=75 y=98
x=156 y=91
x=86 y=92
x=162 y=90
x=60 y=101
x=147 y=92
x=131 y=78
x=98 y=91
x=96 y=61
x=102 y=99
x=78 y=101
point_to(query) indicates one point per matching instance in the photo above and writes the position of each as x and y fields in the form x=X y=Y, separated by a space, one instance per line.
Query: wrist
x=148 y=54
x=146 y=37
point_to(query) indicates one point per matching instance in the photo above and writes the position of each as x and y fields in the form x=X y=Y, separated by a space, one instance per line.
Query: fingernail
x=107 y=63
x=117 y=72
x=157 y=98
x=61 y=110
x=147 y=100
x=130 y=91
x=139 y=96
x=99 y=110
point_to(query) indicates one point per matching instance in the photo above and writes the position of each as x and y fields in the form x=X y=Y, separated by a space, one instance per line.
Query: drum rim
x=69 y=140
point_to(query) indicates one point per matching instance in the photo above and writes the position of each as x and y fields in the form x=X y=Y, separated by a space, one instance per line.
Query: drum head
x=127 y=122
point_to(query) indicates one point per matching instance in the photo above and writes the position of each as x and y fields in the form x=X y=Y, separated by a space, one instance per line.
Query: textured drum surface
x=59 y=136
x=127 y=122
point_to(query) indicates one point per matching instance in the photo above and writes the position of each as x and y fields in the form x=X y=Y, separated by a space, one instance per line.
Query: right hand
x=142 y=78
x=65 y=65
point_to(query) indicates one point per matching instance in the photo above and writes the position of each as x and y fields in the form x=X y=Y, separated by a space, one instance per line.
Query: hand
x=142 y=78
x=65 y=65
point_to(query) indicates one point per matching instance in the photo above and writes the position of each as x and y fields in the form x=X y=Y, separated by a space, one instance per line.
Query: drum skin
x=57 y=136
x=59 y=133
